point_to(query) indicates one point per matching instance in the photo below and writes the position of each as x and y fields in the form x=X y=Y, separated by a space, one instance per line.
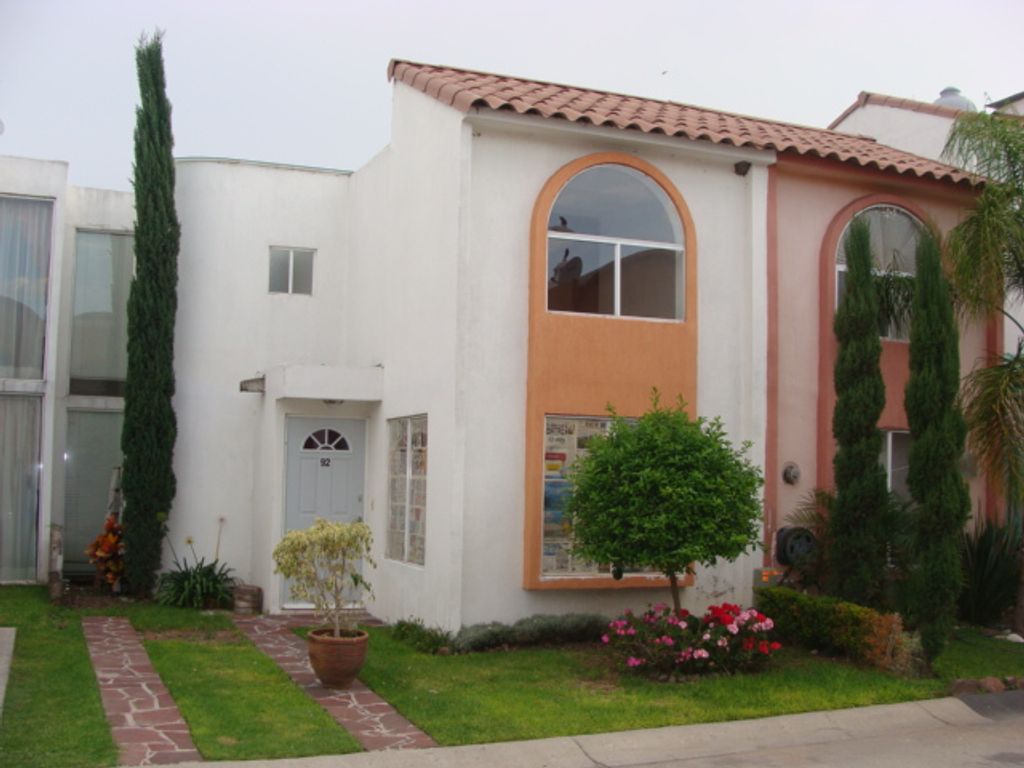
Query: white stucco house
x=426 y=343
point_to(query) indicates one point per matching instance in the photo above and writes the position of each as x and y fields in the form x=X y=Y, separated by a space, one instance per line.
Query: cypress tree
x=858 y=523
x=149 y=431
x=938 y=431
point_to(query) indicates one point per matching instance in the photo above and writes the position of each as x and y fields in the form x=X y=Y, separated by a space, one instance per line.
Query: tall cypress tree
x=150 y=428
x=938 y=432
x=858 y=522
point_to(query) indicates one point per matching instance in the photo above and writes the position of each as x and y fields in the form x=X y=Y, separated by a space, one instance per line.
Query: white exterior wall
x=24 y=177
x=229 y=456
x=407 y=206
x=917 y=132
x=508 y=169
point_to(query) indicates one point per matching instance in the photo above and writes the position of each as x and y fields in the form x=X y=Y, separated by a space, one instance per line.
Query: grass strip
x=542 y=692
x=53 y=716
x=239 y=705
x=970 y=654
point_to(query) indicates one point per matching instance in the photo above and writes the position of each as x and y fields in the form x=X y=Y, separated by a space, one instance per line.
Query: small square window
x=291 y=271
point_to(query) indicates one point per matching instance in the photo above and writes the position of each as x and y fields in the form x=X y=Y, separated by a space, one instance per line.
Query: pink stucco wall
x=813 y=202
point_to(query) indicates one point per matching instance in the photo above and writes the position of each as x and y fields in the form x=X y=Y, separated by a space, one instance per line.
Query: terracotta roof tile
x=465 y=90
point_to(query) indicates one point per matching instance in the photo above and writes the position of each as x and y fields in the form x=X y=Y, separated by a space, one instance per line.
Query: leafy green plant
x=988 y=555
x=150 y=427
x=836 y=626
x=323 y=563
x=858 y=520
x=938 y=431
x=415 y=633
x=533 y=630
x=198 y=585
x=664 y=491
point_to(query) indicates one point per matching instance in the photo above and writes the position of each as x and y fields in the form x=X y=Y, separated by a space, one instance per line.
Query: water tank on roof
x=951 y=97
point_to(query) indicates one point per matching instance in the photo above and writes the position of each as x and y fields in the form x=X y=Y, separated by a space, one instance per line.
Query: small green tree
x=664 y=492
x=938 y=432
x=859 y=519
x=150 y=428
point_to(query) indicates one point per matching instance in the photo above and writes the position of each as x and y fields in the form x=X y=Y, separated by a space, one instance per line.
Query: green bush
x=532 y=630
x=196 y=586
x=988 y=555
x=415 y=633
x=831 y=625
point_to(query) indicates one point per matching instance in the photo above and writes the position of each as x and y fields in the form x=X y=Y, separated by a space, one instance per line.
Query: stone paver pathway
x=147 y=726
x=374 y=723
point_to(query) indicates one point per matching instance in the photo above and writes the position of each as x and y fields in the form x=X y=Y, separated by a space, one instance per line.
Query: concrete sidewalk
x=736 y=743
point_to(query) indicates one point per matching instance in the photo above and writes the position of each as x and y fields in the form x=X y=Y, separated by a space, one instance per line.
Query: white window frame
x=618 y=243
x=888 y=453
x=291 y=270
x=408 y=477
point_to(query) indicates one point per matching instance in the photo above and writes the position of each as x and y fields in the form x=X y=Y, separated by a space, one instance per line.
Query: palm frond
x=993 y=403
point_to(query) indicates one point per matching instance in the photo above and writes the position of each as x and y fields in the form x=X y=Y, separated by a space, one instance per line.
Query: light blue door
x=324 y=478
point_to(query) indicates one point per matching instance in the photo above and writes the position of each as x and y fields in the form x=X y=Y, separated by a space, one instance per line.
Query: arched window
x=615 y=247
x=894 y=237
x=325 y=440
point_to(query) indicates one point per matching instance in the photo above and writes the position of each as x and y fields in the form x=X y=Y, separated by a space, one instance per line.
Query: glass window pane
x=302 y=272
x=93 y=452
x=99 y=330
x=19 y=486
x=24 y=268
x=279 y=260
x=581 y=276
x=894 y=237
x=900 y=464
x=652 y=283
x=407 y=495
x=616 y=201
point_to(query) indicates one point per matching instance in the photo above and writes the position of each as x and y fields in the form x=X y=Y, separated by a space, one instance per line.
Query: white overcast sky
x=305 y=81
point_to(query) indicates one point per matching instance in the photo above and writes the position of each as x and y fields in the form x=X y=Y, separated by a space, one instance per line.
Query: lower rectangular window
x=565 y=441
x=896 y=460
x=407 y=490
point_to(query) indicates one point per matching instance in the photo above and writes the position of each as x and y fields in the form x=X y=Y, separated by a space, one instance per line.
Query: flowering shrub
x=725 y=639
x=107 y=552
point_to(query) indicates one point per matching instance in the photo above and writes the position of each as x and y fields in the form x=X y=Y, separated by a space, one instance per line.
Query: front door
x=324 y=478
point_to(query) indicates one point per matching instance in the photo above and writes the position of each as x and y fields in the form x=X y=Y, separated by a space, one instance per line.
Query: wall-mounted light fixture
x=790 y=473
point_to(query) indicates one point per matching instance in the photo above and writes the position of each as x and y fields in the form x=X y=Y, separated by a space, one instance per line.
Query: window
x=615 y=247
x=19 y=485
x=99 y=325
x=25 y=227
x=407 y=489
x=896 y=460
x=91 y=456
x=894 y=238
x=325 y=440
x=291 y=270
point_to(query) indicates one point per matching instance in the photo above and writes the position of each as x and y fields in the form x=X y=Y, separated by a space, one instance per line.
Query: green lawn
x=52 y=712
x=240 y=705
x=536 y=693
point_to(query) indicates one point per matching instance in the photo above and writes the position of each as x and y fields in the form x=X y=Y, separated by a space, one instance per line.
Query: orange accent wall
x=579 y=364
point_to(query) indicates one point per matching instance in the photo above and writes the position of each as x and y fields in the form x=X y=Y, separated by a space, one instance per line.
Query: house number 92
x=325 y=462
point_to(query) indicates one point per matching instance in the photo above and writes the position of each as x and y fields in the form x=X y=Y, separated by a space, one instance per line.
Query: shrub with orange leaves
x=107 y=551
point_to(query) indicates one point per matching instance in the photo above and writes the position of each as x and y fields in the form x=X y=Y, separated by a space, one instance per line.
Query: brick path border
x=374 y=723
x=146 y=724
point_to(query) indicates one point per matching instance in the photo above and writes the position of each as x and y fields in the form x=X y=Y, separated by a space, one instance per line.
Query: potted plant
x=323 y=563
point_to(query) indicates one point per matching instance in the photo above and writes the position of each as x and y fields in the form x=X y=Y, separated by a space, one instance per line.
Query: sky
x=305 y=81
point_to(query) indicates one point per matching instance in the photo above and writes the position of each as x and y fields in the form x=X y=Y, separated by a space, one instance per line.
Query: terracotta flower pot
x=337 y=660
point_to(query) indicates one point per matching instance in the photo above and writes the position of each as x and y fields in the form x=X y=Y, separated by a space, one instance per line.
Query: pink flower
x=666 y=640
x=630 y=631
x=733 y=629
x=700 y=653
x=707 y=636
x=605 y=639
x=722 y=642
x=632 y=661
